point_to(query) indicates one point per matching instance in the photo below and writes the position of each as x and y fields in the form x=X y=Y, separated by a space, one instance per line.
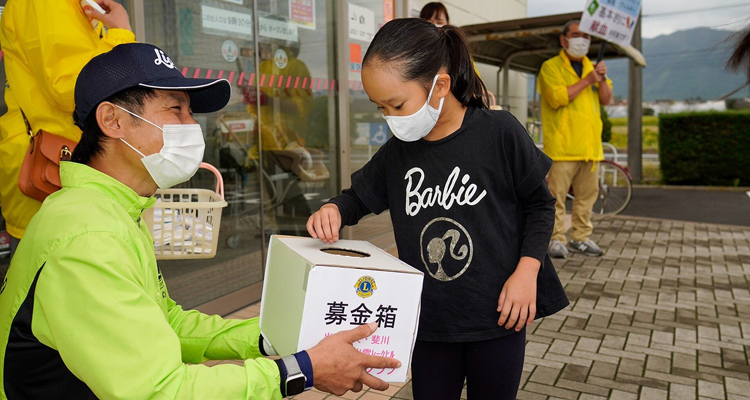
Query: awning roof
x=526 y=43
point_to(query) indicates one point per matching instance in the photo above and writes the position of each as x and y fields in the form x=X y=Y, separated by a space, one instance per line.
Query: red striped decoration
x=286 y=82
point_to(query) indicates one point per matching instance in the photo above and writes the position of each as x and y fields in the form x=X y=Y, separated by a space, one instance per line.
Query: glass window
x=214 y=39
x=296 y=105
x=274 y=143
x=368 y=130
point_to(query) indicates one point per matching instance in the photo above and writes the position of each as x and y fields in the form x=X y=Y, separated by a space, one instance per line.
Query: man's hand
x=115 y=18
x=592 y=78
x=517 y=302
x=339 y=367
x=325 y=223
x=601 y=69
x=598 y=74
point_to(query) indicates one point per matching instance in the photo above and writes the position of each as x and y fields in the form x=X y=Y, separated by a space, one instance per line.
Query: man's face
x=573 y=32
x=169 y=107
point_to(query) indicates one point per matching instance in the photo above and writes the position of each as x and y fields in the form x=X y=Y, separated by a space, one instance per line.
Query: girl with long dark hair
x=470 y=208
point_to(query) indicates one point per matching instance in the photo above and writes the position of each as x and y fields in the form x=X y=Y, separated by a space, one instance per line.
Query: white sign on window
x=361 y=23
x=227 y=22
x=277 y=29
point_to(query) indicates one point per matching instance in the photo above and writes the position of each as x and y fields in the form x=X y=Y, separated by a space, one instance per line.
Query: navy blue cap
x=141 y=64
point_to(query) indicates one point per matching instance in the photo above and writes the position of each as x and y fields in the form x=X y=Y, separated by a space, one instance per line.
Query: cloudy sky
x=666 y=16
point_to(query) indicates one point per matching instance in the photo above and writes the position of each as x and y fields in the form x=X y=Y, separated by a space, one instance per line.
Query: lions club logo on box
x=365 y=286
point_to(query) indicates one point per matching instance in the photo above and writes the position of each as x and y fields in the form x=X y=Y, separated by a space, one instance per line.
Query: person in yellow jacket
x=572 y=91
x=45 y=45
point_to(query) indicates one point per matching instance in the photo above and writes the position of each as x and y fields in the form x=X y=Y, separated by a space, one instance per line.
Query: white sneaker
x=557 y=249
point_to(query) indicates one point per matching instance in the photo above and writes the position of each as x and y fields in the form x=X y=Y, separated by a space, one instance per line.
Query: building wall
x=469 y=12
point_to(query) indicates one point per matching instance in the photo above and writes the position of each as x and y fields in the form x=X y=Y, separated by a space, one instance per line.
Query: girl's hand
x=517 y=302
x=325 y=223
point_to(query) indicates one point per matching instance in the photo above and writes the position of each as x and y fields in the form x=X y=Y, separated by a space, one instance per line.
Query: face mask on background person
x=411 y=128
x=180 y=156
x=578 y=46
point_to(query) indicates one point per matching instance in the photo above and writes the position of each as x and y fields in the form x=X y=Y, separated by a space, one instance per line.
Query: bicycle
x=615 y=185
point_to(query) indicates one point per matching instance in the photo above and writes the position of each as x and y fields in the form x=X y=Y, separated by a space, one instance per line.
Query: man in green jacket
x=84 y=311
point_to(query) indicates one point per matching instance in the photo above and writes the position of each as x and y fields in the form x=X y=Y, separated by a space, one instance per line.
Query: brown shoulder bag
x=40 y=172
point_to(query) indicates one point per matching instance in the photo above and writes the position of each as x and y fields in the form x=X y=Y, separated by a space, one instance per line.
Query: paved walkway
x=664 y=314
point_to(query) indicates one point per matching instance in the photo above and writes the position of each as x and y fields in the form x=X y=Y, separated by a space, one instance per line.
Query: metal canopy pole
x=635 y=112
x=506 y=71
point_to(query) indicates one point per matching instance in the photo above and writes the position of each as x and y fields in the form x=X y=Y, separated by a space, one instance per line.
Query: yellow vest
x=572 y=129
x=45 y=43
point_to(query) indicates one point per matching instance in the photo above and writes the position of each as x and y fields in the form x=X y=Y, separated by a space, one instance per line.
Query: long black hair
x=741 y=56
x=418 y=50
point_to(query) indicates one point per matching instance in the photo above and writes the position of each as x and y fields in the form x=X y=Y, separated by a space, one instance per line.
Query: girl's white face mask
x=411 y=128
x=578 y=47
x=180 y=156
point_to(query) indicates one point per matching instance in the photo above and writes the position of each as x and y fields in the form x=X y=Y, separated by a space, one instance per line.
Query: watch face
x=295 y=385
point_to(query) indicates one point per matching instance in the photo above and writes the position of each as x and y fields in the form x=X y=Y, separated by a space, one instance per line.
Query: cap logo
x=162 y=59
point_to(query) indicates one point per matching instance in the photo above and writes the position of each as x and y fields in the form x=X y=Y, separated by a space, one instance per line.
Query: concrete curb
x=702 y=188
x=597 y=217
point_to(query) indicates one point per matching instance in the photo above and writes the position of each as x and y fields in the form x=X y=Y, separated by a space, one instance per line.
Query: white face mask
x=411 y=128
x=578 y=47
x=180 y=156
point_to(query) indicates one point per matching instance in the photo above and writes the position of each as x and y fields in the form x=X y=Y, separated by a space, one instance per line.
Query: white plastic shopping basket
x=185 y=223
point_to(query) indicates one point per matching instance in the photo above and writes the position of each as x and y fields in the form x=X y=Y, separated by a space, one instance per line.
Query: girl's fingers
x=522 y=316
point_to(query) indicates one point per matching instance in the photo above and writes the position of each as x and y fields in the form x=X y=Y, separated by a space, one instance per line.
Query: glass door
x=294 y=98
x=216 y=39
x=274 y=143
x=363 y=128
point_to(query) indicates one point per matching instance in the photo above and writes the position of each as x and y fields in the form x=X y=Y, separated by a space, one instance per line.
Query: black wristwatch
x=295 y=379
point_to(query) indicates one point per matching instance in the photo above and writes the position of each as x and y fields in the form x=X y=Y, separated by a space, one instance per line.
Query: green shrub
x=705 y=148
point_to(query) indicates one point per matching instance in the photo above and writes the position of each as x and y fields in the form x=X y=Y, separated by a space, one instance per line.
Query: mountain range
x=684 y=65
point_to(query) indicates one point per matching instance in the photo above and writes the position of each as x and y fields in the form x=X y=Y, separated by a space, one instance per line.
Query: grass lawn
x=651 y=172
x=650 y=133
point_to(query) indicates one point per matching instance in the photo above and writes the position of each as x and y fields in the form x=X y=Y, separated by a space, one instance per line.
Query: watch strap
x=295 y=381
x=292 y=366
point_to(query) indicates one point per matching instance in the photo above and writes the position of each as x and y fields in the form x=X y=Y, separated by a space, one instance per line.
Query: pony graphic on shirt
x=437 y=249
